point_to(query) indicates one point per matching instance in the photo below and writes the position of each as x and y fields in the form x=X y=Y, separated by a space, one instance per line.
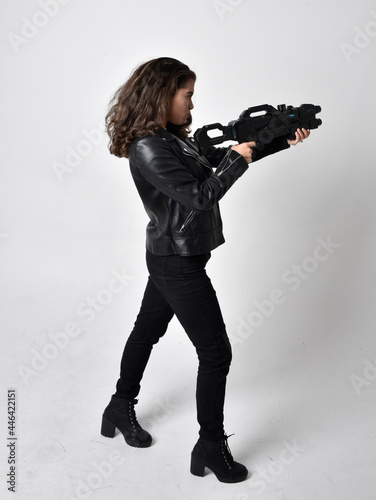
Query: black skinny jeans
x=179 y=285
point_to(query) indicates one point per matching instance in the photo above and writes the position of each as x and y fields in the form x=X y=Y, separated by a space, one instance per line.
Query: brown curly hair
x=139 y=107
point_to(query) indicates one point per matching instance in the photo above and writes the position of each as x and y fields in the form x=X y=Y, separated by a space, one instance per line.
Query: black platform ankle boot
x=217 y=457
x=120 y=413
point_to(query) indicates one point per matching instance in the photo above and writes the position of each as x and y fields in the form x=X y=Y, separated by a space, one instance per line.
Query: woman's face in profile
x=181 y=104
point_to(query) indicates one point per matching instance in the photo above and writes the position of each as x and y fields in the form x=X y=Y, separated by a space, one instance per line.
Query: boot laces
x=132 y=414
x=226 y=452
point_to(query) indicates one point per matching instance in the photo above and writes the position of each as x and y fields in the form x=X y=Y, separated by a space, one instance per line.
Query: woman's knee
x=218 y=356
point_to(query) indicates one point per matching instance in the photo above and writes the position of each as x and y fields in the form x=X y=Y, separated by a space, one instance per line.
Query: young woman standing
x=148 y=122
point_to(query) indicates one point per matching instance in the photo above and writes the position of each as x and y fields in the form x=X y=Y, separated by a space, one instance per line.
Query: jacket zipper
x=228 y=166
x=188 y=220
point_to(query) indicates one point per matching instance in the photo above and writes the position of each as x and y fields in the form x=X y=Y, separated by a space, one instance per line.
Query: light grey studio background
x=295 y=278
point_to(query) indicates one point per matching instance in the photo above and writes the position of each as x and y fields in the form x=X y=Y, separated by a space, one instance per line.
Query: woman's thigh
x=184 y=283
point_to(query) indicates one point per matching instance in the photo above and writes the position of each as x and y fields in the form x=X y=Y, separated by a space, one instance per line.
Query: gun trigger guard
x=259 y=146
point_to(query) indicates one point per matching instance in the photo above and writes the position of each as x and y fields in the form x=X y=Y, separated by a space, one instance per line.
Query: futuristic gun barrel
x=261 y=124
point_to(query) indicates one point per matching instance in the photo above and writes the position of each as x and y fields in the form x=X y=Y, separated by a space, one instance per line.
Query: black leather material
x=180 y=190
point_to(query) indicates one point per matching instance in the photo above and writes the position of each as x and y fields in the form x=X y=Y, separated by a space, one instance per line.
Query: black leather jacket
x=180 y=190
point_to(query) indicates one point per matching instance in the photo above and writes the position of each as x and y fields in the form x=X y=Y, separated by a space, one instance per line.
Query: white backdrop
x=295 y=278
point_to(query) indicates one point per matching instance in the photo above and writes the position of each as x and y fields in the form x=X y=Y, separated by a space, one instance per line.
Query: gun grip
x=254 y=153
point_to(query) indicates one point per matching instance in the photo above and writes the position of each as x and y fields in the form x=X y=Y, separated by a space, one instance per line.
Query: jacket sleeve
x=215 y=154
x=160 y=166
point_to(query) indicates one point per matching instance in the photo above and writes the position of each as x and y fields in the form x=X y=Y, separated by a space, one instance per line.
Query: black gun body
x=262 y=128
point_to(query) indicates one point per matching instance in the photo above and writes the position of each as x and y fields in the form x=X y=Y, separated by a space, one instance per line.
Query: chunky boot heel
x=108 y=428
x=197 y=467
x=216 y=456
x=120 y=414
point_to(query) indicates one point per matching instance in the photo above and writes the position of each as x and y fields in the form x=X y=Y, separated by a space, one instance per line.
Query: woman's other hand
x=300 y=134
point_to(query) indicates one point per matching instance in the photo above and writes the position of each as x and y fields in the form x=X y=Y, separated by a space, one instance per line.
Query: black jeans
x=179 y=285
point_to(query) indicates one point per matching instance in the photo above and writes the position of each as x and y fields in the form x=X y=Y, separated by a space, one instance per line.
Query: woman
x=148 y=122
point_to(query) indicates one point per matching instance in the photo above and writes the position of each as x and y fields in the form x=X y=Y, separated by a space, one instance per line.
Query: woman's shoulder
x=149 y=144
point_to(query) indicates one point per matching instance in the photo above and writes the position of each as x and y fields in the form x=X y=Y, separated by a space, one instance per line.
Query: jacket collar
x=189 y=146
x=165 y=134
